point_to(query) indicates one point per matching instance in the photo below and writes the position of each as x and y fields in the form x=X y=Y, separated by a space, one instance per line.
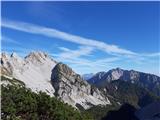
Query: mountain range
x=41 y=73
x=146 y=80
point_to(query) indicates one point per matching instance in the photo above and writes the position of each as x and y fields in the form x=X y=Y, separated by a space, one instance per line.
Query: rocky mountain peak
x=4 y=56
x=14 y=55
x=150 y=81
x=63 y=73
x=118 y=70
x=15 y=58
x=114 y=74
x=34 y=70
x=38 y=57
x=67 y=71
x=37 y=54
x=72 y=89
x=6 y=59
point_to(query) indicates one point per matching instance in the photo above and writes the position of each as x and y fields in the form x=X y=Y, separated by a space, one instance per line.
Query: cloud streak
x=82 y=51
x=54 y=33
x=9 y=40
x=76 y=57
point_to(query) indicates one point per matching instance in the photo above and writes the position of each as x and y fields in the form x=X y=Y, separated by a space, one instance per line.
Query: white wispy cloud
x=81 y=51
x=9 y=40
x=151 y=54
x=82 y=64
x=51 y=32
x=76 y=58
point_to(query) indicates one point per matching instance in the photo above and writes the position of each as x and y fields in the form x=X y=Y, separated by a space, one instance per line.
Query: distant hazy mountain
x=98 y=76
x=87 y=76
x=150 y=81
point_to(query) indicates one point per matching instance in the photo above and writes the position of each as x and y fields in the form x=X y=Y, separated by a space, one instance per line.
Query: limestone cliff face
x=34 y=70
x=72 y=89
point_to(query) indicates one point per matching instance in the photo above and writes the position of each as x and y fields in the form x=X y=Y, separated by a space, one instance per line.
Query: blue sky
x=88 y=36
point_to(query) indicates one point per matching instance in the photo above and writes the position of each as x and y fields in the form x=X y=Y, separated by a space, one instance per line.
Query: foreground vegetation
x=19 y=103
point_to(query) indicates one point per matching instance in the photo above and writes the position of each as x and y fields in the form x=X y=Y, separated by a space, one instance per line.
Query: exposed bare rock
x=72 y=89
x=34 y=70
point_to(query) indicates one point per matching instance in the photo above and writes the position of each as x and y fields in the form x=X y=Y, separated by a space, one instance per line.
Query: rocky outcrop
x=34 y=70
x=72 y=89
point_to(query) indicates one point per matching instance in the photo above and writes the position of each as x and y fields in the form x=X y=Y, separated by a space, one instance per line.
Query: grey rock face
x=150 y=81
x=72 y=89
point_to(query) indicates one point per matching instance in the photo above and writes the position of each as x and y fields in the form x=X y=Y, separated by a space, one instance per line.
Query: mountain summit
x=34 y=70
x=150 y=81
x=71 y=88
